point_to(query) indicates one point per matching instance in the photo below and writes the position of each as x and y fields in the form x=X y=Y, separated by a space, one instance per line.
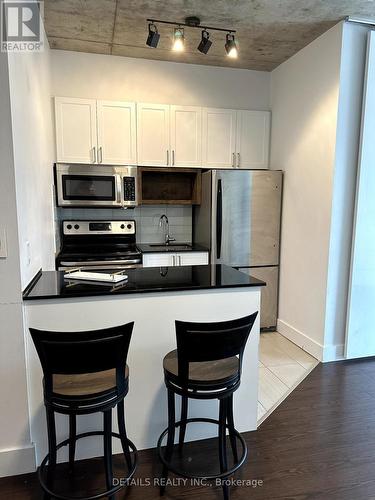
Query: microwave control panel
x=129 y=188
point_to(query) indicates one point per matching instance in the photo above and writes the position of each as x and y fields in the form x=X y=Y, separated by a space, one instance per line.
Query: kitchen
x=188 y=126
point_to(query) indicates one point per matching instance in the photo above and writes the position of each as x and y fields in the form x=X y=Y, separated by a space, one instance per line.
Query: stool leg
x=232 y=436
x=52 y=451
x=184 y=414
x=171 y=434
x=107 y=439
x=122 y=432
x=72 y=440
x=222 y=443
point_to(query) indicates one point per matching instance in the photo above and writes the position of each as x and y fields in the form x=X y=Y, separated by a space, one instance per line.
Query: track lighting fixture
x=205 y=43
x=179 y=36
x=153 y=36
x=231 y=46
x=178 y=40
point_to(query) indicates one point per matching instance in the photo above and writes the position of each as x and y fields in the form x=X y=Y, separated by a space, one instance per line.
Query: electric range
x=92 y=245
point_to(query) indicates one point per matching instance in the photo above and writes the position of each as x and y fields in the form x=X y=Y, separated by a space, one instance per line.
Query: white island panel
x=153 y=336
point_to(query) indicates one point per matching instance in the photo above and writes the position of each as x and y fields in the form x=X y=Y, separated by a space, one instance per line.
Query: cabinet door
x=219 y=137
x=157 y=259
x=76 y=136
x=192 y=258
x=153 y=135
x=253 y=139
x=116 y=133
x=186 y=136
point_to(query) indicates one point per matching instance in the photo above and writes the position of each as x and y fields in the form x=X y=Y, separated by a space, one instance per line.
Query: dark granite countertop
x=173 y=247
x=53 y=285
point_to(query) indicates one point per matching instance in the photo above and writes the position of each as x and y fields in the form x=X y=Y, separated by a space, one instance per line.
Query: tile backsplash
x=146 y=217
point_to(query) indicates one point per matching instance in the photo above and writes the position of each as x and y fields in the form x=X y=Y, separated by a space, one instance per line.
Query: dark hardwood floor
x=319 y=444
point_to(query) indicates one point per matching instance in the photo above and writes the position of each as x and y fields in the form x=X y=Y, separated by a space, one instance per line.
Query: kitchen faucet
x=164 y=222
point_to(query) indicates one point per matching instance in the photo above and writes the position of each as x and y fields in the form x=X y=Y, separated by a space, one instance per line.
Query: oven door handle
x=99 y=262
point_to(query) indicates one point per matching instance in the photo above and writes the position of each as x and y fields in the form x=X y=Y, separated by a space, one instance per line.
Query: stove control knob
x=76 y=226
x=69 y=226
x=129 y=226
x=122 y=226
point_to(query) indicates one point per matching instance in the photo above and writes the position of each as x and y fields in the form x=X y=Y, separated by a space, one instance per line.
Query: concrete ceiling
x=268 y=31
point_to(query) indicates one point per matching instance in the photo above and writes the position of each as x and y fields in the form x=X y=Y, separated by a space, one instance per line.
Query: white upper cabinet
x=153 y=135
x=116 y=133
x=253 y=139
x=186 y=136
x=219 y=137
x=76 y=140
x=90 y=131
x=160 y=135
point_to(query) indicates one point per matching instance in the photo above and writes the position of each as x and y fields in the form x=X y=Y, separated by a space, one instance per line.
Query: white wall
x=33 y=149
x=75 y=74
x=304 y=98
x=26 y=212
x=316 y=103
x=353 y=61
x=16 y=454
x=360 y=339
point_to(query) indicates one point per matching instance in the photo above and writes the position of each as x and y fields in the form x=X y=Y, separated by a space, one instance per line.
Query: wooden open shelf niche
x=170 y=186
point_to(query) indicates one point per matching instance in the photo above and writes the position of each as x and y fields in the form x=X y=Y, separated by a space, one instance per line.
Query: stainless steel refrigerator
x=239 y=221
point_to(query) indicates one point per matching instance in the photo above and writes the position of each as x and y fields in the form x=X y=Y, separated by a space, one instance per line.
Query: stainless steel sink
x=171 y=247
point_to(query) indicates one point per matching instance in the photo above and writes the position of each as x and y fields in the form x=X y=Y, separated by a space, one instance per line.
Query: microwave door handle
x=120 y=197
x=219 y=218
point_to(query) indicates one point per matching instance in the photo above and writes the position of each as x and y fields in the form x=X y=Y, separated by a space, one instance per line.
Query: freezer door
x=246 y=208
x=269 y=293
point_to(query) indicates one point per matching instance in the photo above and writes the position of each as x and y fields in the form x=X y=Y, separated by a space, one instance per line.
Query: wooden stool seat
x=84 y=384
x=215 y=372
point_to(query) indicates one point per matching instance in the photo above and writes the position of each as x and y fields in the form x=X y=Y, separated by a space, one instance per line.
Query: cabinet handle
x=233 y=159
x=100 y=151
x=167 y=156
x=172 y=156
x=238 y=160
x=94 y=151
x=173 y=260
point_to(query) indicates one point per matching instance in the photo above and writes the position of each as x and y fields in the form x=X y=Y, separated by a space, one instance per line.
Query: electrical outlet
x=3 y=244
x=28 y=253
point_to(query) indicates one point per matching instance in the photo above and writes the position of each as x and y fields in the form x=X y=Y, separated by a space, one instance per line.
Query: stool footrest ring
x=106 y=493
x=182 y=473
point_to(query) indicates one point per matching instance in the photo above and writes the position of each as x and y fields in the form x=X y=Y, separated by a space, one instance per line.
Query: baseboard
x=303 y=341
x=17 y=461
x=322 y=353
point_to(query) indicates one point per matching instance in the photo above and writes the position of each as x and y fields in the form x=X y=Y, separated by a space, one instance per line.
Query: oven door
x=88 y=187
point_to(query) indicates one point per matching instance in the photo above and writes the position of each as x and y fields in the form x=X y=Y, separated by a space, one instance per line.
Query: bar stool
x=85 y=372
x=206 y=365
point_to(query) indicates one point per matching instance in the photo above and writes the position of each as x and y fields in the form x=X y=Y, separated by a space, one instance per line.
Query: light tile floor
x=282 y=366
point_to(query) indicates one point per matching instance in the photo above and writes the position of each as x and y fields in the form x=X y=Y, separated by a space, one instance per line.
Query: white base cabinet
x=169 y=259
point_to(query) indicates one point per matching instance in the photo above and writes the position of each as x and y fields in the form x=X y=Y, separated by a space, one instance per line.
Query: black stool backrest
x=211 y=341
x=83 y=352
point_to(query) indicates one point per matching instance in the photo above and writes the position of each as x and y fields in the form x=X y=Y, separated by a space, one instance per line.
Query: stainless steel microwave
x=96 y=186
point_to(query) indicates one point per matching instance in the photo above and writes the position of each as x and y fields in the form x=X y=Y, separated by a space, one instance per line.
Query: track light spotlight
x=205 y=43
x=178 y=40
x=231 y=46
x=153 y=36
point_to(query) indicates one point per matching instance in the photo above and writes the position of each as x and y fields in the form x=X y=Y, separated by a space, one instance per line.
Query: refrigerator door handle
x=219 y=218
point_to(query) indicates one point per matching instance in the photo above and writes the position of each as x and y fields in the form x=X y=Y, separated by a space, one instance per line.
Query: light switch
x=3 y=244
